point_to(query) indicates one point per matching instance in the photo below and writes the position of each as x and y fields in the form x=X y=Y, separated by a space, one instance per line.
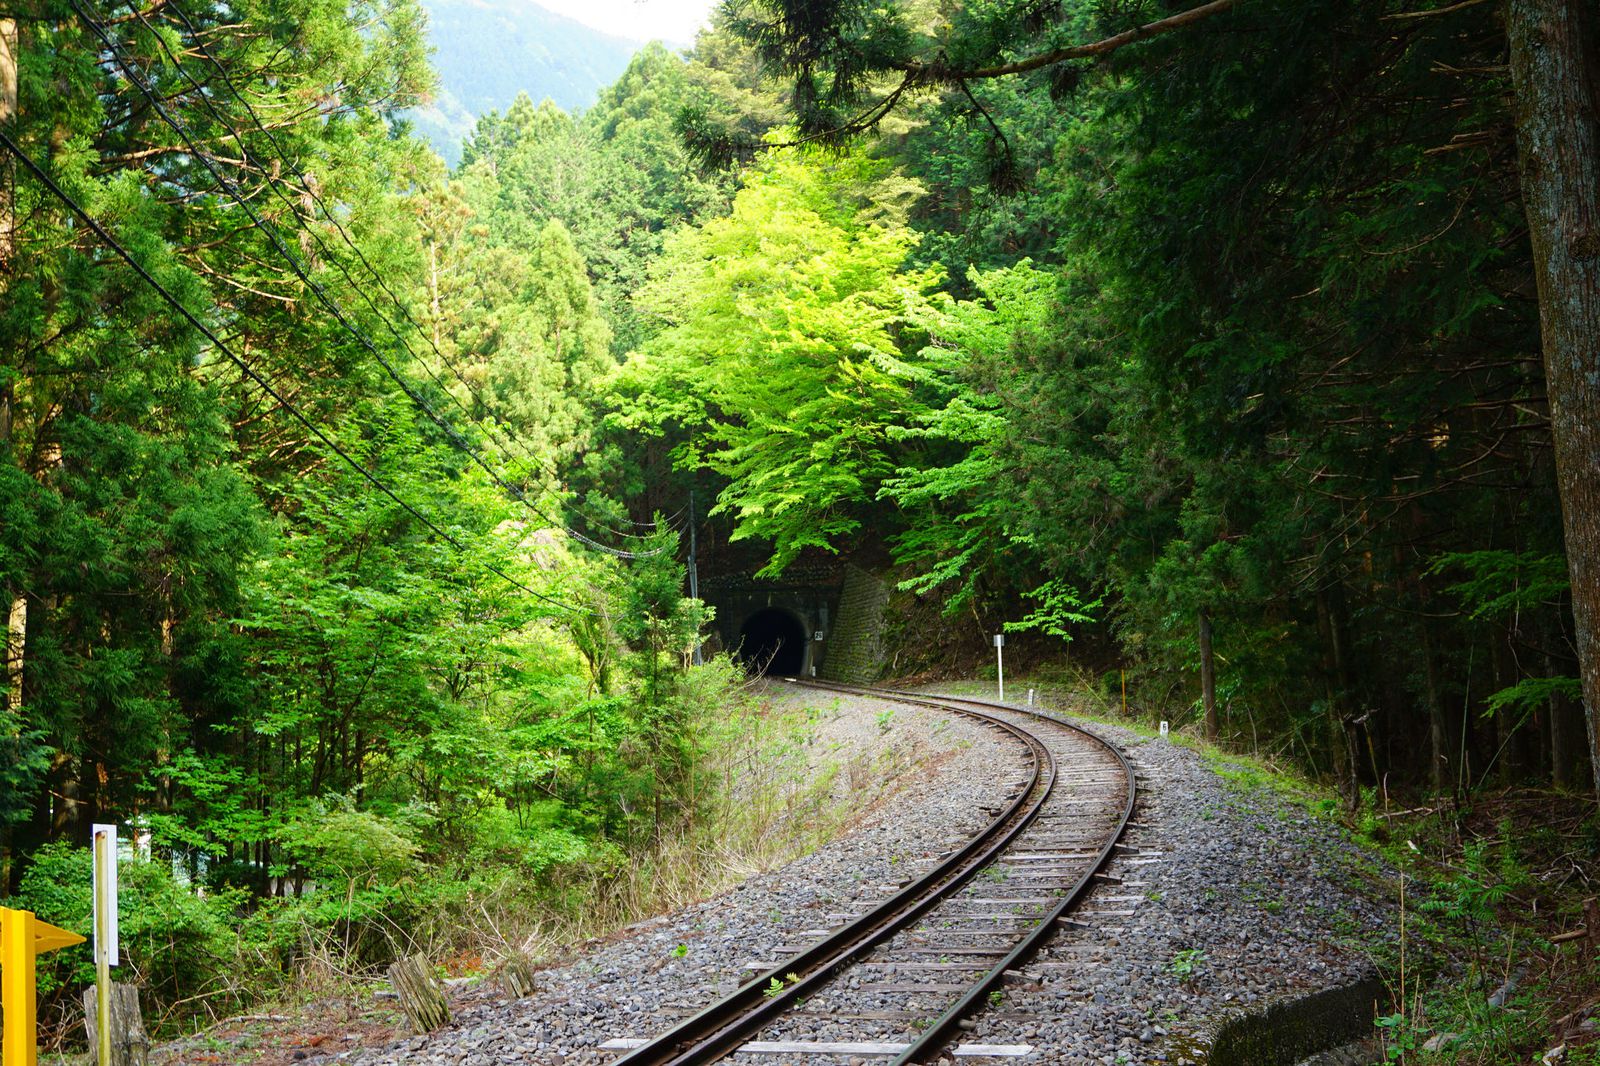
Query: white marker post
x=105 y=930
x=1163 y=731
x=1000 y=663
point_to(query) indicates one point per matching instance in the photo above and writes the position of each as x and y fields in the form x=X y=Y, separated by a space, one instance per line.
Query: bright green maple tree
x=783 y=358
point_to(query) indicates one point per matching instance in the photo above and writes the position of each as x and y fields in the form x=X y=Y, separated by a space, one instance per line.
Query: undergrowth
x=772 y=792
x=1488 y=887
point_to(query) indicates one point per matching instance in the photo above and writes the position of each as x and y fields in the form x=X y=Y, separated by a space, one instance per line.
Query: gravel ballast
x=1231 y=897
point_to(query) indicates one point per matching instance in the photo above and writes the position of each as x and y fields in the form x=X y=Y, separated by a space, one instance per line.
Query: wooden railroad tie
x=419 y=994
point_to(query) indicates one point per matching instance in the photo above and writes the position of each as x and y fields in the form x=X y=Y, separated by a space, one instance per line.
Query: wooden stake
x=419 y=994
x=515 y=975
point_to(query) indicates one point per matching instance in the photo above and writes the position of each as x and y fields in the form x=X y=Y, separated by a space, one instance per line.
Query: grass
x=1075 y=695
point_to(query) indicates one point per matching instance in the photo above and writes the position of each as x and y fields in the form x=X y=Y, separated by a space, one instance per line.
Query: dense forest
x=342 y=491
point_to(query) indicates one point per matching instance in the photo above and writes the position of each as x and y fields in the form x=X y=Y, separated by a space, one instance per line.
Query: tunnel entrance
x=773 y=642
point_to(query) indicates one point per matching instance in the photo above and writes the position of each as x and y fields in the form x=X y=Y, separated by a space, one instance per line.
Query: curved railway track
x=981 y=912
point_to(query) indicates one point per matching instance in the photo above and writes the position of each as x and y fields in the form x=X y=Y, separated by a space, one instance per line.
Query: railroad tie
x=845 y=1047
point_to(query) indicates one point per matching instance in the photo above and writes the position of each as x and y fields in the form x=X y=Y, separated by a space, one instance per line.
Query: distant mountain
x=487 y=51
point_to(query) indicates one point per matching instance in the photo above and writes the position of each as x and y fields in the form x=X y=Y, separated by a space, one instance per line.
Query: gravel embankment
x=1238 y=896
x=665 y=969
x=1250 y=900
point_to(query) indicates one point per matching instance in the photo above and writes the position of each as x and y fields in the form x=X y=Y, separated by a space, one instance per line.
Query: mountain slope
x=487 y=51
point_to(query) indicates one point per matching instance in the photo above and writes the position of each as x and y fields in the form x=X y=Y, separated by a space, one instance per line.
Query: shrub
x=176 y=945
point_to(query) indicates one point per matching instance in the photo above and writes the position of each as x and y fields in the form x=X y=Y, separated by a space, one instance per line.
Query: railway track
x=940 y=947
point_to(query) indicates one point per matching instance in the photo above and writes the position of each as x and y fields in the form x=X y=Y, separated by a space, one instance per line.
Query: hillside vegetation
x=488 y=52
x=344 y=491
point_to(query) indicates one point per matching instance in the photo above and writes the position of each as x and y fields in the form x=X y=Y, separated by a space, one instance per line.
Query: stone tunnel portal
x=772 y=641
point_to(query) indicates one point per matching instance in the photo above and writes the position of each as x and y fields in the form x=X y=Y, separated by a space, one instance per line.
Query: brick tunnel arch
x=773 y=641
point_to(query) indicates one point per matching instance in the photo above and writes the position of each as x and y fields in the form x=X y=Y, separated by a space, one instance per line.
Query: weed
x=774 y=989
x=1186 y=963
x=1398 y=1035
x=996 y=998
x=680 y=951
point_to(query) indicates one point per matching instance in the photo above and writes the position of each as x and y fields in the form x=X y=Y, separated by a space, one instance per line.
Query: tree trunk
x=17 y=616
x=1336 y=674
x=129 y=1044
x=1555 y=74
x=1208 y=676
x=8 y=115
x=1438 y=730
x=1507 y=763
x=16 y=638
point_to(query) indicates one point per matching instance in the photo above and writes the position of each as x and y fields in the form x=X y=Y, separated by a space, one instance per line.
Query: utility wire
x=451 y=433
x=310 y=189
x=138 y=268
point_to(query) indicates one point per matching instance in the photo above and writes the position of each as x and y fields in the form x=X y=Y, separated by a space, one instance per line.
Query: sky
x=673 y=21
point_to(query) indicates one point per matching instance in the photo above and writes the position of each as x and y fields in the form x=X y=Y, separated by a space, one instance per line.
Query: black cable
x=138 y=268
x=451 y=433
x=377 y=276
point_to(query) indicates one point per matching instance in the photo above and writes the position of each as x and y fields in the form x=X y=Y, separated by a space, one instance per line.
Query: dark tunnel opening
x=772 y=642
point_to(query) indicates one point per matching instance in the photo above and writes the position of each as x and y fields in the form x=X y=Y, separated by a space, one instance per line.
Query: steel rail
x=943 y=1028
x=723 y=1026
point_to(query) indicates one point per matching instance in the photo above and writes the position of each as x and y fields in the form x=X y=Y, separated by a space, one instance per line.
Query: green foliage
x=173 y=942
x=782 y=360
x=1500 y=584
x=1398 y=1035
x=964 y=528
x=1472 y=894
x=1059 y=606
x=1531 y=694
x=24 y=757
x=338 y=843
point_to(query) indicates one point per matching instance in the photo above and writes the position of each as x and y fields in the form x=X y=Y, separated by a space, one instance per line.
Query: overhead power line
x=453 y=435
x=138 y=268
x=310 y=190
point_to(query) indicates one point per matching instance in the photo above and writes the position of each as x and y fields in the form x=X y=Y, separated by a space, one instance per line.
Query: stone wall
x=855 y=647
x=809 y=594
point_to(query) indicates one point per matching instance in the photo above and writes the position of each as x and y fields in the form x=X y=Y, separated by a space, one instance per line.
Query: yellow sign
x=22 y=937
